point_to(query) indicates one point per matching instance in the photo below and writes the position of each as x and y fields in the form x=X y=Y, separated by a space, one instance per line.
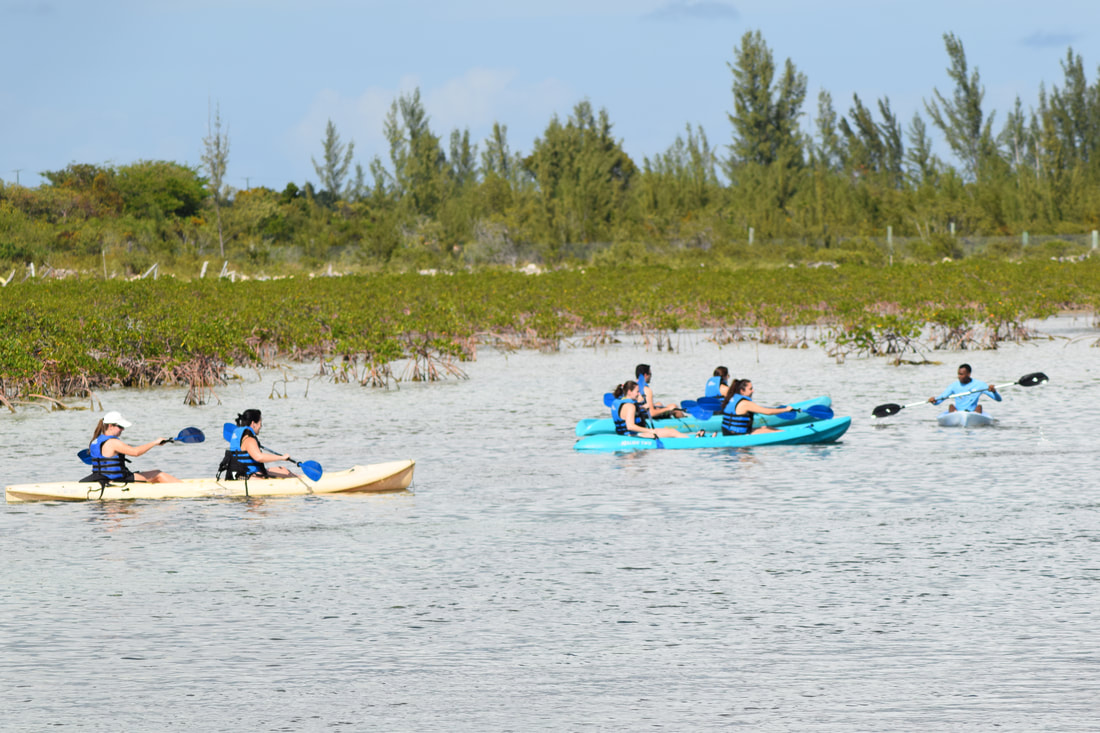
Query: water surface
x=909 y=577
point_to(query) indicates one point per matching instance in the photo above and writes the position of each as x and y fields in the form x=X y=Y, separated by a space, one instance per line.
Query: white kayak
x=373 y=478
x=962 y=419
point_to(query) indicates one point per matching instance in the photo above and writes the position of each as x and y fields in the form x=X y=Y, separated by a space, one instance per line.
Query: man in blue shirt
x=969 y=403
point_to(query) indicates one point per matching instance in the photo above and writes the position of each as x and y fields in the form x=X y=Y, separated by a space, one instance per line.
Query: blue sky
x=115 y=81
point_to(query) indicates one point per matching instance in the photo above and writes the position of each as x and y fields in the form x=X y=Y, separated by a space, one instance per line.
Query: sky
x=112 y=82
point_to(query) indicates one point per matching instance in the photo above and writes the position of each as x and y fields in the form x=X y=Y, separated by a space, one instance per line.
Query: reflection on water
x=909 y=577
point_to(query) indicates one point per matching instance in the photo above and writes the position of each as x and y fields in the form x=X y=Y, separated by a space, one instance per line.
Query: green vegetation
x=69 y=337
x=796 y=186
x=687 y=239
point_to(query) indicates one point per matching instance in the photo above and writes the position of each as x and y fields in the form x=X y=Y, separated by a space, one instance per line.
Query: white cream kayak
x=963 y=419
x=374 y=478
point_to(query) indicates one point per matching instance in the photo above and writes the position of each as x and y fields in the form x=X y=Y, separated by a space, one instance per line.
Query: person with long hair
x=624 y=411
x=245 y=457
x=110 y=454
x=738 y=409
x=718 y=384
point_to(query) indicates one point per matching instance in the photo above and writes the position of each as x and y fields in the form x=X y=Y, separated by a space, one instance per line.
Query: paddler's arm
x=653 y=407
x=943 y=395
x=753 y=407
x=627 y=412
x=116 y=445
x=252 y=447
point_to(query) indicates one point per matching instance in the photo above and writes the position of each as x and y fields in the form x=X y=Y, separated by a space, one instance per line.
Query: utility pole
x=247 y=187
x=16 y=171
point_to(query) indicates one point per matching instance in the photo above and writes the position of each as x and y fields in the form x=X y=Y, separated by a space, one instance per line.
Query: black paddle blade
x=1030 y=380
x=886 y=410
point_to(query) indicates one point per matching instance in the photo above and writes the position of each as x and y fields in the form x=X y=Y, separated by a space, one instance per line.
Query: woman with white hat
x=110 y=453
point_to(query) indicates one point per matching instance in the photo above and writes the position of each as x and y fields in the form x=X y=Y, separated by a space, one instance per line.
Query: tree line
x=577 y=195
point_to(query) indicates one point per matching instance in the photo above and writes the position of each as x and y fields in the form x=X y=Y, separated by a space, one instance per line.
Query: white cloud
x=474 y=100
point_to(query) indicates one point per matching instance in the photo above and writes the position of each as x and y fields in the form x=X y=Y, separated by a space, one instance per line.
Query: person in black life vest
x=245 y=458
x=624 y=412
x=109 y=453
x=648 y=408
x=738 y=409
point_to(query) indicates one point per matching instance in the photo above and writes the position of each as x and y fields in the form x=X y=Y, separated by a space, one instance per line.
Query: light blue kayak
x=822 y=431
x=689 y=424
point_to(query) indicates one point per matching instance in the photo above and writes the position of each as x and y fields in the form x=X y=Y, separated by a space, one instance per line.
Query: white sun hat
x=115 y=418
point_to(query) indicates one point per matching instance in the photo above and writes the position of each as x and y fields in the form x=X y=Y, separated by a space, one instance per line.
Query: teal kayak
x=689 y=424
x=822 y=431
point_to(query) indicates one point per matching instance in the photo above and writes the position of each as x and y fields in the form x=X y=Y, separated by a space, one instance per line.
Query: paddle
x=312 y=469
x=187 y=435
x=1028 y=380
x=817 y=412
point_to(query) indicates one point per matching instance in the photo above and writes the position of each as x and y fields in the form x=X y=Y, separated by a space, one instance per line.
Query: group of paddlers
x=635 y=410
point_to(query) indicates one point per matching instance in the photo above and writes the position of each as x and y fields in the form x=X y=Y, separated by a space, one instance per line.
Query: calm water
x=910 y=577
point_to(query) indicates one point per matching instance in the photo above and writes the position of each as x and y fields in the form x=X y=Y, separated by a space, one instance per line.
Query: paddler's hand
x=162 y=441
x=992 y=388
x=932 y=400
x=285 y=457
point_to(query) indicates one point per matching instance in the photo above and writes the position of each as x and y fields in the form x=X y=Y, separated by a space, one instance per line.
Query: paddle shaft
x=1028 y=380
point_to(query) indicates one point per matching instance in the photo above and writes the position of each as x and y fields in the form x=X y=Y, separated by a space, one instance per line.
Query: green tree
x=420 y=176
x=961 y=120
x=157 y=189
x=463 y=159
x=498 y=159
x=1075 y=111
x=215 y=158
x=830 y=151
x=582 y=175
x=922 y=162
x=766 y=154
x=332 y=172
x=765 y=109
x=683 y=180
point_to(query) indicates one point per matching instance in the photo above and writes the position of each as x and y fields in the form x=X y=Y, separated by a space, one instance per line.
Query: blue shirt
x=968 y=403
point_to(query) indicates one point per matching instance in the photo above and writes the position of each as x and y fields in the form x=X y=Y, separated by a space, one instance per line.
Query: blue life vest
x=713 y=388
x=237 y=463
x=620 y=421
x=732 y=423
x=113 y=468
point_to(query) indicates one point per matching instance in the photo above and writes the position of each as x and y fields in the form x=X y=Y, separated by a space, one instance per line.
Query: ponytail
x=247 y=418
x=624 y=388
x=735 y=388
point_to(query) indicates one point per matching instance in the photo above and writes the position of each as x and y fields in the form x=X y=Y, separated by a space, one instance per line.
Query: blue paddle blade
x=190 y=435
x=820 y=412
x=608 y=399
x=227 y=430
x=817 y=412
x=714 y=404
x=698 y=412
x=85 y=455
x=312 y=469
